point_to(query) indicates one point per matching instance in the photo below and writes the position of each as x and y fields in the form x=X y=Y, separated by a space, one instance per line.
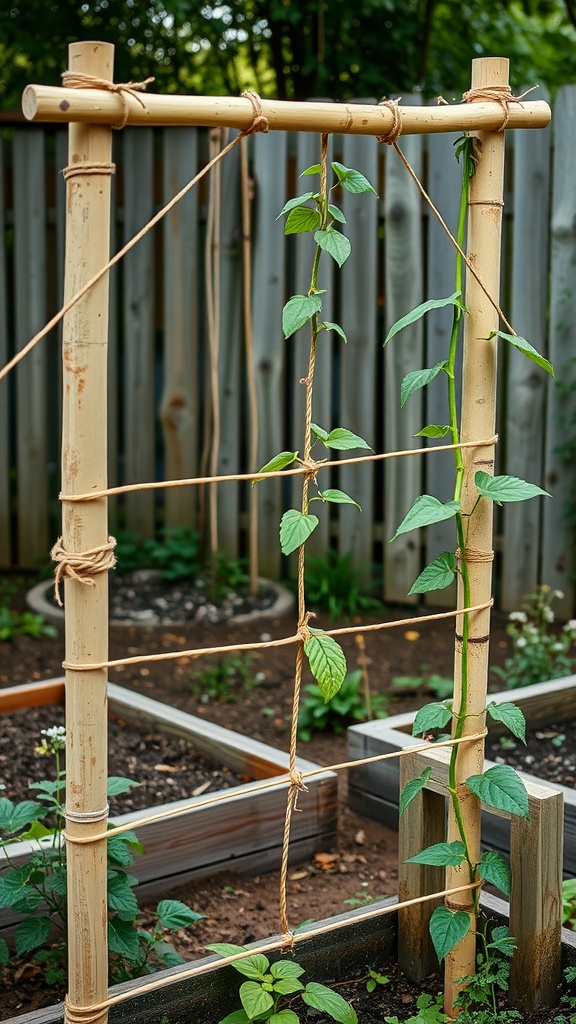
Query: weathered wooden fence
x=159 y=361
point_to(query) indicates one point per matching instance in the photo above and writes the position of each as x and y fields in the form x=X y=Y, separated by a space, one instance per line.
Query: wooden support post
x=84 y=458
x=478 y=421
x=421 y=825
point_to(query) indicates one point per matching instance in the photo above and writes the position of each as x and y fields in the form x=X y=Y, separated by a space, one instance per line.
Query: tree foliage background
x=338 y=49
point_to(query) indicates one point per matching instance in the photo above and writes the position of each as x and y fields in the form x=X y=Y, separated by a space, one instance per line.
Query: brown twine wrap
x=475 y=555
x=396 y=129
x=88 y=168
x=77 y=80
x=81 y=565
x=260 y=123
x=501 y=94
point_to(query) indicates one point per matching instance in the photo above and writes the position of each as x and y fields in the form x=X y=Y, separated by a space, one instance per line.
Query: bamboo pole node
x=475 y=555
x=77 y=80
x=486 y=202
x=81 y=565
x=501 y=94
x=260 y=123
x=396 y=130
x=88 y=168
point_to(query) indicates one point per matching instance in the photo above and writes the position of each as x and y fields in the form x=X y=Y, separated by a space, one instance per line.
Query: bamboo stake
x=478 y=416
x=50 y=103
x=84 y=457
x=247 y=197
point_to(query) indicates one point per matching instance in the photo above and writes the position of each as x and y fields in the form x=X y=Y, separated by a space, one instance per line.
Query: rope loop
x=260 y=122
x=475 y=555
x=88 y=168
x=501 y=94
x=396 y=130
x=78 y=80
x=82 y=565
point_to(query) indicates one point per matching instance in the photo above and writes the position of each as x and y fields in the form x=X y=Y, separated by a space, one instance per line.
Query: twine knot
x=396 y=130
x=287 y=940
x=260 y=122
x=79 y=80
x=501 y=94
x=82 y=565
x=303 y=630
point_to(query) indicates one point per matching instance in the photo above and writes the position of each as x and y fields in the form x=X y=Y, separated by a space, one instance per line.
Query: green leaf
x=433 y=430
x=343 y=440
x=292 y=204
x=30 y=934
x=338 y=497
x=120 y=895
x=301 y=220
x=334 y=243
x=254 y=966
x=298 y=310
x=118 y=784
x=329 y=325
x=425 y=511
x=295 y=528
x=336 y=213
x=437 y=575
x=238 y=1017
x=287 y=986
x=167 y=954
x=494 y=868
x=412 y=788
x=526 y=348
x=314 y=169
x=321 y=434
x=14 y=817
x=327 y=662
x=284 y=1016
x=120 y=852
x=123 y=939
x=323 y=998
x=279 y=462
x=419 y=379
x=286 y=969
x=36 y=831
x=352 y=180
x=447 y=928
x=511 y=716
x=419 y=311
x=501 y=787
x=431 y=716
x=15 y=890
x=254 y=999
x=506 y=488
x=503 y=941
x=174 y=914
x=4 y=954
x=440 y=855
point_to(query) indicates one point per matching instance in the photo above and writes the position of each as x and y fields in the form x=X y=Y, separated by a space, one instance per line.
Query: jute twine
x=81 y=565
x=396 y=130
x=501 y=94
x=78 y=80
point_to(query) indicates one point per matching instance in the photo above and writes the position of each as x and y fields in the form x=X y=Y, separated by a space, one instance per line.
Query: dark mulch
x=550 y=751
x=146 y=598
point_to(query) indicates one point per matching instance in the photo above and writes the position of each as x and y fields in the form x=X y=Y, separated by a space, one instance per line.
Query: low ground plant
x=37 y=889
x=13 y=624
x=346 y=707
x=539 y=653
x=227 y=680
x=335 y=584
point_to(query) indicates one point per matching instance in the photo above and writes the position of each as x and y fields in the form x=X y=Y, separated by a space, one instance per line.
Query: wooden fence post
x=84 y=527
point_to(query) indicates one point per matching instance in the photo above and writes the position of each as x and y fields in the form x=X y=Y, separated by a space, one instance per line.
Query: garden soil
x=362 y=865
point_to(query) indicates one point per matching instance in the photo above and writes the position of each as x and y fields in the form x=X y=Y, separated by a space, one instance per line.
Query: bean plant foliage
x=499 y=787
x=314 y=212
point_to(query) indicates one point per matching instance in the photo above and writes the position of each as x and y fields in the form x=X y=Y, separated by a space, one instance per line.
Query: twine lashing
x=74 y=170
x=501 y=94
x=260 y=122
x=396 y=130
x=78 y=80
x=82 y=565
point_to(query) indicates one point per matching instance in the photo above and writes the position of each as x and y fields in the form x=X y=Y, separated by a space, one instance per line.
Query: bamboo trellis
x=92 y=113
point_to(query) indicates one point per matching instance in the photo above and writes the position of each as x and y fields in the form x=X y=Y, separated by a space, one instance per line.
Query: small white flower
x=547 y=614
x=517 y=617
x=559 y=594
x=521 y=641
x=557 y=648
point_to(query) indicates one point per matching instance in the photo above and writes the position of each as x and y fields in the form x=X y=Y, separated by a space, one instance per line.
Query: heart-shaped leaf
x=327 y=662
x=298 y=310
x=506 y=488
x=295 y=528
x=437 y=575
x=447 y=929
x=425 y=511
x=501 y=787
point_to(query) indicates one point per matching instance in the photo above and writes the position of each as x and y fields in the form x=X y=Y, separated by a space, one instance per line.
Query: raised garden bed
x=346 y=952
x=243 y=833
x=374 y=788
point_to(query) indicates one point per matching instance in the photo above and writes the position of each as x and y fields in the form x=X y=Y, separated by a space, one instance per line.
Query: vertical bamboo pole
x=478 y=422
x=247 y=198
x=84 y=458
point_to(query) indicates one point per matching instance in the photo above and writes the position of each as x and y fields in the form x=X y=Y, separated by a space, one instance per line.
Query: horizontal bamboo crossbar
x=96 y=106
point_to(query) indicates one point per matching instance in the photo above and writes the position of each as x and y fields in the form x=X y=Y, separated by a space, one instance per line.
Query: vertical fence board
x=358 y=358
x=444 y=177
x=30 y=315
x=526 y=383
x=269 y=161
x=180 y=403
x=139 y=420
x=404 y=286
x=307 y=154
x=5 y=552
x=231 y=352
x=557 y=550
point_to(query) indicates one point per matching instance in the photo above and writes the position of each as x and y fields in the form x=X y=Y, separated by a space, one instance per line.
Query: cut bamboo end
x=96 y=106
